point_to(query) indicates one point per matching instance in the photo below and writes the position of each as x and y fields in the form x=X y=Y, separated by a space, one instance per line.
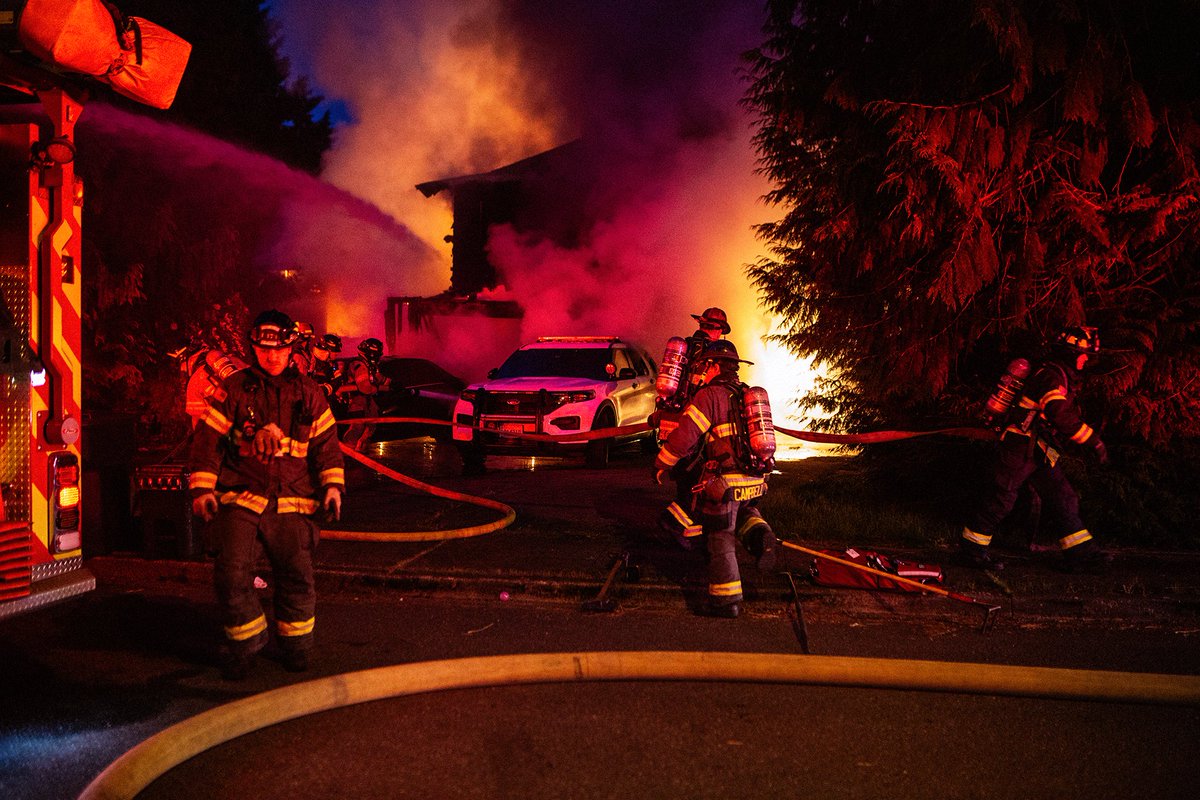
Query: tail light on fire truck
x=64 y=505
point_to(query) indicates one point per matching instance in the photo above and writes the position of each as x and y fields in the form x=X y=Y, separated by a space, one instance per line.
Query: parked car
x=416 y=387
x=561 y=386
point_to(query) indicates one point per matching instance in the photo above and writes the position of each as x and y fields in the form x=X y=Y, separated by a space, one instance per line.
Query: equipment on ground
x=603 y=601
x=989 y=609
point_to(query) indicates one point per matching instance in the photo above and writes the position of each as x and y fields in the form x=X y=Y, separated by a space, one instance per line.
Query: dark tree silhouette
x=958 y=178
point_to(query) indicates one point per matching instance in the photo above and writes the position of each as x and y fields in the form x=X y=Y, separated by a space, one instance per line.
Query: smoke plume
x=438 y=89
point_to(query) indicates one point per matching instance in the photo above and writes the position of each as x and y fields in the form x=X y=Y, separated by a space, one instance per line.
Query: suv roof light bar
x=543 y=339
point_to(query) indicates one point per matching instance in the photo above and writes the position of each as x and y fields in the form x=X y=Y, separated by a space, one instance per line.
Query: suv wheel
x=596 y=453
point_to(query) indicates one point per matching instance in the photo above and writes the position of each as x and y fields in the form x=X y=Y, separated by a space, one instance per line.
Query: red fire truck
x=51 y=51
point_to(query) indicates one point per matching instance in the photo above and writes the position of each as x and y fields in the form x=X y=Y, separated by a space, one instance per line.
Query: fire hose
x=146 y=762
x=510 y=515
x=582 y=436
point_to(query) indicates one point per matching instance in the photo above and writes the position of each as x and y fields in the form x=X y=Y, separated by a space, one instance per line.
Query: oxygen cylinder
x=1006 y=390
x=760 y=428
x=671 y=367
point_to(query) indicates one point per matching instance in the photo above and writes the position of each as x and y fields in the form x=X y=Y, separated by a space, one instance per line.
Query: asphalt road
x=84 y=681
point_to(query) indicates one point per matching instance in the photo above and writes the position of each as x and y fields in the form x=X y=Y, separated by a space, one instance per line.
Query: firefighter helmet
x=273 y=329
x=371 y=349
x=304 y=331
x=714 y=317
x=723 y=350
x=1074 y=340
x=331 y=342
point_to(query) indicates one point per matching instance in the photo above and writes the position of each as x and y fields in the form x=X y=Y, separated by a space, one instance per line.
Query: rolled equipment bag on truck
x=151 y=65
x=77 y=35
x=138 y=58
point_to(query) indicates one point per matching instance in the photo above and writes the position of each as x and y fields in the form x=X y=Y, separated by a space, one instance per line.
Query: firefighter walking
x=729 y=425
x=680 y=376
x=1035 y=432
x=264 y=462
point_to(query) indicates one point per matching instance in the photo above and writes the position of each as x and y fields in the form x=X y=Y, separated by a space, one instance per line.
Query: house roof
x=535 y=166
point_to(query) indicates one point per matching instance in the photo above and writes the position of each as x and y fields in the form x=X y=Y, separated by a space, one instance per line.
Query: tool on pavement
x=603 y=601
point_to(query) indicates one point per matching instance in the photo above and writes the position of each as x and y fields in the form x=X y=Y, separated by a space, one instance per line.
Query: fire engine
x=54 y=52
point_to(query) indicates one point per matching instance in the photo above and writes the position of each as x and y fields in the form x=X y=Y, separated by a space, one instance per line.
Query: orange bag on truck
x=78 y=35
x=138 y=58
x=151 y=63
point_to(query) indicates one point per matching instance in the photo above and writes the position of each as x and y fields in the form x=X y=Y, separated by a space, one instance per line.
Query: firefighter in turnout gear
x=264 y=462
x=713 y=432
x=676 y=519
x=324 y=369
x=1035 y=431
x=362 y=383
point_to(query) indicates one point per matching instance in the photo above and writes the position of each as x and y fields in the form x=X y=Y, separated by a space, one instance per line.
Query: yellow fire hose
x=139 y=767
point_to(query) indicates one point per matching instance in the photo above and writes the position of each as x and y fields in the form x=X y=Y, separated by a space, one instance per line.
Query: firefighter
x=263 y=464
x=676 y=519
x=362 y=383
x=302 y=350
x=732 y=478
x=325 y=369
x=1044 y=421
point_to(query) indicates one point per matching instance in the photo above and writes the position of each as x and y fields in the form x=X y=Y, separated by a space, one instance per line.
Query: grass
x=831 y=499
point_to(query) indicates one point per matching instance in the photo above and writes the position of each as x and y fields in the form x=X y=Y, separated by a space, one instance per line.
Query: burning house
x=543 y=197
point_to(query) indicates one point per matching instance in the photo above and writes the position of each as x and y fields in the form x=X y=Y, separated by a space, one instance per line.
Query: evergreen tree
x=959 y=178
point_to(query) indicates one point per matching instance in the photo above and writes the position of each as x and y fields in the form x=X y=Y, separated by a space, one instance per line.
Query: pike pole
x=989 y=609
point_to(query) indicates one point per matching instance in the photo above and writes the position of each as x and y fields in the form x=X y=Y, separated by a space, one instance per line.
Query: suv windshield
x=561 y=362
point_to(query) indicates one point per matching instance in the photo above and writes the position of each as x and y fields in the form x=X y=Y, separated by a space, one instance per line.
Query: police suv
x=547 y=395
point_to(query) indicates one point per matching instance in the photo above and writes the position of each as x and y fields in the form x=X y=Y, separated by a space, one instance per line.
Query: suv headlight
x=562 y=398
x=468 y=396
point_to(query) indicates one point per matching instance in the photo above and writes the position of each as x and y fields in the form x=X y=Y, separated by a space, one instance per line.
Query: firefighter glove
x=332 y=504
x=267 y=442
x=205 y=506
x=1101 y=452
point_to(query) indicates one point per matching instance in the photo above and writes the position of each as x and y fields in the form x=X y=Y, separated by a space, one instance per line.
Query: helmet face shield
x=272 y=336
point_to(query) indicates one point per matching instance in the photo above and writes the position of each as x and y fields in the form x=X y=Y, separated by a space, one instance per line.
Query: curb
x=1076 y=608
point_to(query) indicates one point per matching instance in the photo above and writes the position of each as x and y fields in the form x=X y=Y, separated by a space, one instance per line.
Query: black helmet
x=371 y=349
x=273 y=329
x=723 y=350
x=1077 y=339
x=304 y=331
x=331 y=342
x=714 y=317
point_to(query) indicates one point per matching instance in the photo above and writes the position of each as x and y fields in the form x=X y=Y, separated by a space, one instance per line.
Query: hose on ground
x=140 y=766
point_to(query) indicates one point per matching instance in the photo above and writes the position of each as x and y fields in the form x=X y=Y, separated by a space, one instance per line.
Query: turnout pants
x=288 y=541
x=1019 y=461
x=724 y=525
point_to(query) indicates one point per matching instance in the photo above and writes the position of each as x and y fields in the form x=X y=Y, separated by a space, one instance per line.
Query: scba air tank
x=1007 y=388
x=671 y=368
x=760 y=429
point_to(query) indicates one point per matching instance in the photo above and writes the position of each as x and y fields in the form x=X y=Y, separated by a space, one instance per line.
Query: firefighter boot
x=977 y=556
x=763 y=546
x=236 y=664
x=295 y=660
x=721 y=610
x=1084 y=559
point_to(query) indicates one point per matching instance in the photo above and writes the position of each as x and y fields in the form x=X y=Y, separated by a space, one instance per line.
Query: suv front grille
x=517 y=404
